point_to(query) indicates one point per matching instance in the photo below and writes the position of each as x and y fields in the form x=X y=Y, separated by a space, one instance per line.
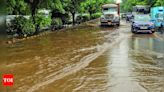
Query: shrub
x=57 y=23
x=86 y=18
x=28 y=27
x=82 y=18
x=42 y=21
x=79 y=19
x=96 y=15
x=21 y=26
x=65 y=18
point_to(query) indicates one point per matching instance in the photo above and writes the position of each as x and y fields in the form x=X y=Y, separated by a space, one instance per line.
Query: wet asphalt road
x=87 y=58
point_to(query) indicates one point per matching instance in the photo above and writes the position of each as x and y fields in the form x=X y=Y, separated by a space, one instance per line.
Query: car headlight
x=135 y=24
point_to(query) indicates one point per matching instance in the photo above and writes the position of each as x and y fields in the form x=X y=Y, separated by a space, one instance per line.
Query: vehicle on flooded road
x=143 y=24
x=110 y=15
x=157 y=16
x=129 y=17
x=141 y=9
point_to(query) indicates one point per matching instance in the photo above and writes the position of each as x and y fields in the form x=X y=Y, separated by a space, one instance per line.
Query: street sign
x=8 y=80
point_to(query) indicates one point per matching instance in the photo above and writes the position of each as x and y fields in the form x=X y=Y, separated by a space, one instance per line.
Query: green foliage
x=57 y=22
x=96 y=15
x=2 y=7
x=89 y=6
x=85 y=17
x=53 y=5
x=22 y=26
x=159 y=3
x=82 y=18
x=17 y=7
x=93 y=6
x=57 y=5
x=42 y=21
x=72 y=6
x=65 y=18
x=79 y=19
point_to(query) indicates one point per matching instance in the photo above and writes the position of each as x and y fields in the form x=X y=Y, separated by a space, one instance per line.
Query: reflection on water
x=120 y=68
x=147 y=43
x=148 y=69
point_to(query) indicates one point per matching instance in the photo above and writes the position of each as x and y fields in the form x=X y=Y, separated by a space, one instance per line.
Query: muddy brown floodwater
x=86 y=58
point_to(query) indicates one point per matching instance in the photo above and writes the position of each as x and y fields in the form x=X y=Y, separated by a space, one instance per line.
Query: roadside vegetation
x=29 y=21
x=34 y=16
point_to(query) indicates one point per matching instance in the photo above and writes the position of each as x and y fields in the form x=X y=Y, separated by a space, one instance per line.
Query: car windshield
x=142 y=18
x=111 y=9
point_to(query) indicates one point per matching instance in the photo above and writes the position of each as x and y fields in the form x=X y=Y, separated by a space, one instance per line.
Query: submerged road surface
x=87 y=58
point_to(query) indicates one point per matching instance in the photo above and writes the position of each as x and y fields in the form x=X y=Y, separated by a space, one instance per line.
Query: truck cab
x=157 y=16
x=110 y=15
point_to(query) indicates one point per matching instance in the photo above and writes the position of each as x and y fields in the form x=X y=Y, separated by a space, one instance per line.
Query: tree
x=34 y=6
x=72 y=6
x=93 y=6
x=17 y=7
x=57 y=8
x=159 y=3
x=2 y=6
x=90 y=6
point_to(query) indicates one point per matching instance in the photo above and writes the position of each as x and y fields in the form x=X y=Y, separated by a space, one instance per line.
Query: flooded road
x=87 y=58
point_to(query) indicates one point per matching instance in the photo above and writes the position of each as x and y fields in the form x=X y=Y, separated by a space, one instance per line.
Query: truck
x=110 y=14
x=157 y=16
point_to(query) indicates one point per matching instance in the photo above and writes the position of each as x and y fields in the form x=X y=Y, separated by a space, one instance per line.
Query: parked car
x=157 y=16
x=142 y=23
x=129 y=17
x=110 y=15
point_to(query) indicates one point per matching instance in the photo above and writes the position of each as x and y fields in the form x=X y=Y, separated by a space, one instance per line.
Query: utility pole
x=118 y=3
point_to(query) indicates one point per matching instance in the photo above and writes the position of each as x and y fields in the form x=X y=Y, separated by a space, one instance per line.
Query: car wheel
x=157 y=29
x=101 y=24
x=132 y=30
x=118 y=24
x=162 y=28
x=135 y=31
x=152 y=32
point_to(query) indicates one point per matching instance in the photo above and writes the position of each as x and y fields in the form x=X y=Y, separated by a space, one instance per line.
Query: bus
x=141 y=9
x=157 y=16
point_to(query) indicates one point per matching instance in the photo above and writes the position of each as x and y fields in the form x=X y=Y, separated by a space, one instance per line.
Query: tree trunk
x=90 y=14
x=34 y=22
x=73 y=19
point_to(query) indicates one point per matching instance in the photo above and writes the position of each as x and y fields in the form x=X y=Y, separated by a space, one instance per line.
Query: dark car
x=129 y=17
x=142 y=23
